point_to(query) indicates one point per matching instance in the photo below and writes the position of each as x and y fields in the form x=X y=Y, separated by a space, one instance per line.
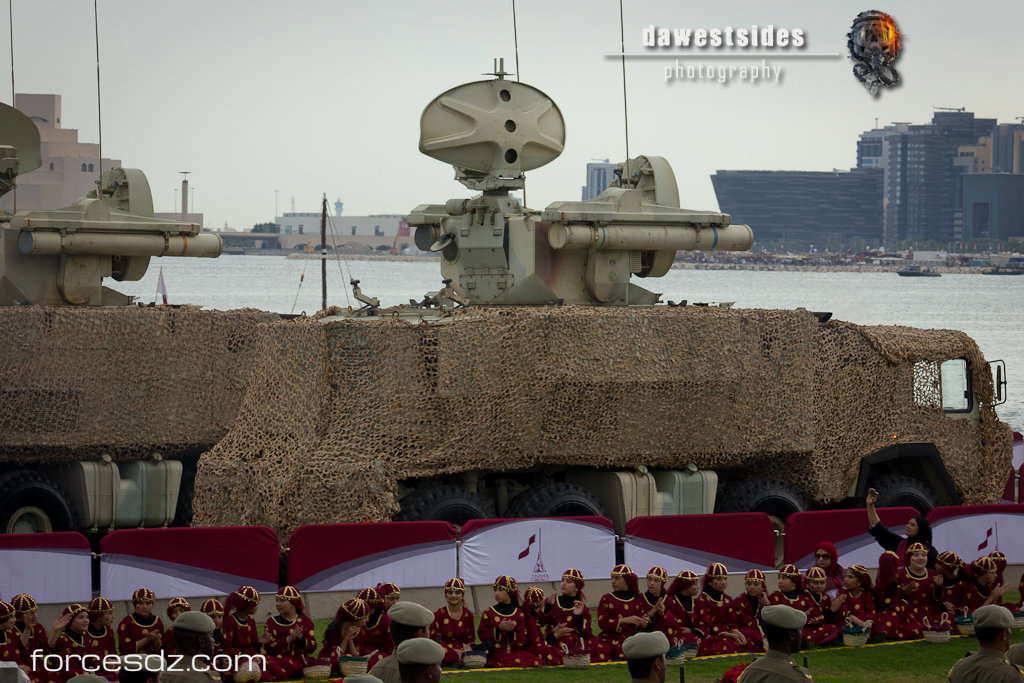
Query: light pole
x=275 y=206
x=175 y=200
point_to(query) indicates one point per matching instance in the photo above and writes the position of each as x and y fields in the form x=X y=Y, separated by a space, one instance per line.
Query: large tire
x=445 y=502
x=31 y=502
x=899 y=490
x=186 y=494
x=556 y=500
x=770 y=496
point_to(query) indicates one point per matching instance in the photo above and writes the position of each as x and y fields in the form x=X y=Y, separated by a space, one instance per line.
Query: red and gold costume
x=716 y=616
x=978 y=591
x=619 y=605
x=181 y=605
x=889 y=602
x=665 y=622
x=24 y=604
x=509 y=646
x=453 y=632
x=549 y=654
x=11 y=647
x=215 y=610
x=748 y=608
x=375 y=638
x=240 y=634
x=923 y=598
x=70 y=647
x=290 y=658
x=684 y=607
x=817 y=629
x=350 y=613
x=955 y=581
x=134 y=628
x=99 y=638
x=562 y=612
x=818 y=582
x=861 y=605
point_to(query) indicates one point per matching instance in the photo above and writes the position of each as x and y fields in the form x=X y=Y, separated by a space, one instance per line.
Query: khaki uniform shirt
x=775 y=667
x=986 y=666
x=387 y=670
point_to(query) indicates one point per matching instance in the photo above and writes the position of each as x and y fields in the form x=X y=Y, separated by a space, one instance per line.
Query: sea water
x=987 y=307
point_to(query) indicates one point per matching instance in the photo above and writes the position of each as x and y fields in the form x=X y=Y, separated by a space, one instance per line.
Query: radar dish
x=493 y=128
x=18 y=131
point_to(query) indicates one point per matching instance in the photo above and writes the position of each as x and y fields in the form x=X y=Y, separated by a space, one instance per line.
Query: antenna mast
x=99 y=111
x=625 y=107
x=323 y=253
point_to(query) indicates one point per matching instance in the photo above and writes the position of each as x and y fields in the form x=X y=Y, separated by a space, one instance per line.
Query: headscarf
x=244 y=595
x=352 y=610
x=533 y=597
x=575 y=576
x=508 y=584
x=143 y=595
x=756 y=576
x=684 y=580
x=1000 y=559
x=863 y=576
x=834 y=572
x=888 y=564
x=915 y=547
x=632 y=583
x=717 y=570
x=212 y=608
x=292 y=595
x=98 y=606
x=180 y=603
x=23 y=602
x=6 y=611
x=791 y=572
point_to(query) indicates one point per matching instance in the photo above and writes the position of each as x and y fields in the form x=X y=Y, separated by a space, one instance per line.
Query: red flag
x=161 y=288
x=985 y=542
x=528 y=545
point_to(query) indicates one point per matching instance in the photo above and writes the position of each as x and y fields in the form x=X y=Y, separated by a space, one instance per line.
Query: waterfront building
x=598 y=177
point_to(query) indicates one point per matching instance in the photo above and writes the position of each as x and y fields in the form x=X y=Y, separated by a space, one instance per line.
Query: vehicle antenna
x=10 y=11
x=99 y=111
x=515 y=37
x=323 y=253
x=625 y=107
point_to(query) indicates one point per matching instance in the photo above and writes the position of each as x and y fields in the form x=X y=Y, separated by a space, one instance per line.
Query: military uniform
x=774 y=667
x=1016 y=654
x=987 y=665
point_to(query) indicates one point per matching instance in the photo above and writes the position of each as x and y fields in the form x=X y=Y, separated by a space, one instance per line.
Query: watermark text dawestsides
x=754 y=36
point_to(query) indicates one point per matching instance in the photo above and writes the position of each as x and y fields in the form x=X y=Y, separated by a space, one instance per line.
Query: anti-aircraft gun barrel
x=649 y=238
x=101 y=244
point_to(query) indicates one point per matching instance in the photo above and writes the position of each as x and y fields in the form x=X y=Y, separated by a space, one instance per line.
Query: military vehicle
x=539 y=380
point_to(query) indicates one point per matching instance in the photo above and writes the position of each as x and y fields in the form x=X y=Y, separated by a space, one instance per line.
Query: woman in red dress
x=550 y=654
x=241 y=638
x=503 y=628
x=174 y=608
x=817 y=585
x=621 y=613
x=375 y=637
x=826 y=557
x=922 y=591
x=99 y=637
x=215 y=610
x=289 y=637
x=855 y=603
x=716 y=618
x=655 y=603
x=390 y=592
x=70 y=643
x=791 y=592
x=141 y=631
x=747 y=608
x=982 y=589
x=889 y=603
x=999 y=557
x=453 y=624
x=683 y=605
x=30 y=631
x=11 y=647
x=568 y=619
x=342 y=634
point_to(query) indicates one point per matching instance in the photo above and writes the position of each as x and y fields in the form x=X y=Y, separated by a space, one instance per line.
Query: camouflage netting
x=339 y=412
x=127 y=381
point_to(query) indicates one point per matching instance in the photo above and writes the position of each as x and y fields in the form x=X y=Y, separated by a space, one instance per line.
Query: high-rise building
x=598 y=177
x=70 y=169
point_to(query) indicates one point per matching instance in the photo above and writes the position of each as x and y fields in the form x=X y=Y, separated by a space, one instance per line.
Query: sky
x=266 y=103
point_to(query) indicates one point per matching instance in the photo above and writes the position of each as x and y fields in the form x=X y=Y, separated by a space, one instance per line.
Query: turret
x=498 y=253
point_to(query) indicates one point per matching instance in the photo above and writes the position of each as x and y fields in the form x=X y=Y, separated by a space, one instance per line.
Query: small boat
x=917 y=271
x=1003 y=270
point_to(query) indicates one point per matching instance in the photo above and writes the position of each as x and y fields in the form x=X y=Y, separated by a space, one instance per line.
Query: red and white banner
x=975 y=530
x=535 y=549
x=847 y=529
x=740 y=540
x=328 y=557
x=189 y=562
x=52 y=568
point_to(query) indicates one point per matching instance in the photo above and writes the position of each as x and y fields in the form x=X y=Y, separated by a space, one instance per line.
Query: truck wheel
x=899 y=490
x=31 y=502
x=556 y=500
x=446 y=502
x=772 y=497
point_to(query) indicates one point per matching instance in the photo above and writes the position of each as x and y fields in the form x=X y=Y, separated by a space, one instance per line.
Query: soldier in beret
x=1016 y=655
x=193 y=635
x=408 y=620
x=993 y=627
x=419 y=660
x=783 y=629
x=645 y=656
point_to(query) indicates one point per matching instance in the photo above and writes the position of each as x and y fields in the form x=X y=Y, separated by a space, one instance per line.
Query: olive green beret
x=644 y=645
x=197 y=622
x=362 y=678
x=411 y=614
x=783 y=616
x=419 y=651
x=87 y=678
x=993 y=616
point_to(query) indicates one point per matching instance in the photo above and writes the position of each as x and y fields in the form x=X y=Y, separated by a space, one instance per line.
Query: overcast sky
x=324 y=96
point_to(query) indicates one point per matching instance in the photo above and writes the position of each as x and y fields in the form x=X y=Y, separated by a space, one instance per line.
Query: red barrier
x=847 y=529
x=974 y=530
x=54 y=567
x=189 y=562
x=323 y=557
x=535 y=549
x=740 y=540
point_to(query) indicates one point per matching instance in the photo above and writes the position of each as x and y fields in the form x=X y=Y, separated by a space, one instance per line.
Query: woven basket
x=474 y=659
x=317 y=670
x=855 y=636
x=966 y=625
x=936 y=633
x=352 y=665
x=576 y=659
x=1018 y=619
x=248 y=672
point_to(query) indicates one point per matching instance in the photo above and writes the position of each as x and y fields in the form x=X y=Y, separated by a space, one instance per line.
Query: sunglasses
x=822 y=555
